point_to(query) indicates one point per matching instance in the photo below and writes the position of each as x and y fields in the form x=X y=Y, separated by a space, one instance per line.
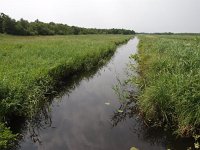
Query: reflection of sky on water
x=81 y=120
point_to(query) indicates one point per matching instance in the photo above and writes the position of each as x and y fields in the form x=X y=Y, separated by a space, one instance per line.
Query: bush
x=7 y=139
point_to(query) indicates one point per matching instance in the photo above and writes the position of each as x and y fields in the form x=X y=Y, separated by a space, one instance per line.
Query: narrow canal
x=87 y=115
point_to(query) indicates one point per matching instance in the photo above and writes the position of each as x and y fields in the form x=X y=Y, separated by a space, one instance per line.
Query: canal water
x=90 y=115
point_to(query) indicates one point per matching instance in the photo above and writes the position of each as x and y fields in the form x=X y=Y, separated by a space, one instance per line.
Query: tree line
x=24 y=27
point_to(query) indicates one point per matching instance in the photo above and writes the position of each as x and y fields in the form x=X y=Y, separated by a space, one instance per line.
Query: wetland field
x=99 y=75
x=32 y=67
x=103 y=91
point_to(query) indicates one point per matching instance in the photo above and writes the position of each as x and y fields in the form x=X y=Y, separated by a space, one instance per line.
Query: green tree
x=8 y=24
x=1 y=23
x=23 y=27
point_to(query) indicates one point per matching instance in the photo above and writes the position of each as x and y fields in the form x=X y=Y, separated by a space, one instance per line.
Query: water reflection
x=43 y=119
x=79 y=118
x=129 y=110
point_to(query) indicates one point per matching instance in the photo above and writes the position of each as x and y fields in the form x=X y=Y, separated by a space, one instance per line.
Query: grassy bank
x=7 y=139
x=170 y=81
x=31 y=67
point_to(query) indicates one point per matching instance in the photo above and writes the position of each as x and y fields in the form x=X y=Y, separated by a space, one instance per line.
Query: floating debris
x=120 y=111
x=107 y=103
x=133 y=148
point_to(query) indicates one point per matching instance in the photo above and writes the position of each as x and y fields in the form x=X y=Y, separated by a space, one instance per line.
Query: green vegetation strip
x=31 y=67
x=170 y=81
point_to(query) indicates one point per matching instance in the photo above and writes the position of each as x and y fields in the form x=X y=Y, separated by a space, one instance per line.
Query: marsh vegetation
x=169 y=82
x=32 y=67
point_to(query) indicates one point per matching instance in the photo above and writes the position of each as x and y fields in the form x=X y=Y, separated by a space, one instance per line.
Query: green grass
x=7 y=139
x=170 y=81
x=31 y=67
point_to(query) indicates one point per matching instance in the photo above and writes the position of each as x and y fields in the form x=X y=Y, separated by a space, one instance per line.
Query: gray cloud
x=140 y=15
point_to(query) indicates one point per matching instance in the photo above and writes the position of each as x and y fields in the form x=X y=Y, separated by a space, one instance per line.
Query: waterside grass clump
x=7 y=139
x=169 y=81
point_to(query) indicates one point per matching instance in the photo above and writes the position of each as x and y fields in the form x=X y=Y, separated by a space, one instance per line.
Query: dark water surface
x=80 y=119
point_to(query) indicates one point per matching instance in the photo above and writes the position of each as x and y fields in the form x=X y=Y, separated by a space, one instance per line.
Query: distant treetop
x=23 y=27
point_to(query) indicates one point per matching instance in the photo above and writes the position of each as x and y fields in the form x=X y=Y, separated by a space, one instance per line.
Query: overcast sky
x=139 y=15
